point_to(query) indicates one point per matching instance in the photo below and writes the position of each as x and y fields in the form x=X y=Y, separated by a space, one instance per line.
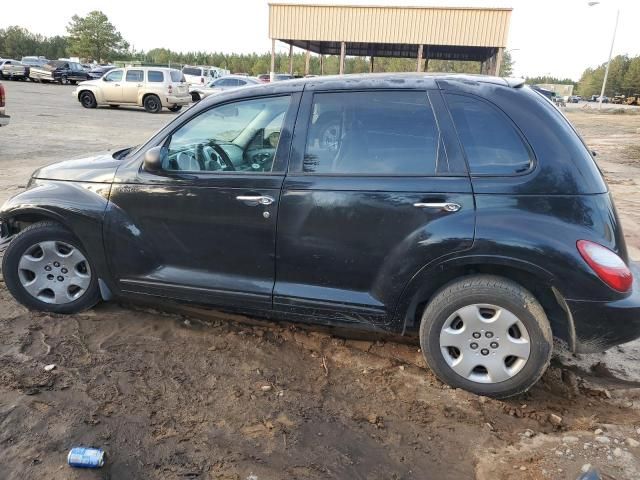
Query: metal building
x=423 y=33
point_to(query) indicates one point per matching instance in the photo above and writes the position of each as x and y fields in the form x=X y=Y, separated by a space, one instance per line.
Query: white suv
x=199 y=75
x=148 y=87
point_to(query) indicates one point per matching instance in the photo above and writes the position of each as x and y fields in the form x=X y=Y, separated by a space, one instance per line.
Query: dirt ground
x=186 y=395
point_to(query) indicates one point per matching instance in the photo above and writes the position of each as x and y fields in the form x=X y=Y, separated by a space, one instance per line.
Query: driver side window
x=223 y=139
x=113 y=76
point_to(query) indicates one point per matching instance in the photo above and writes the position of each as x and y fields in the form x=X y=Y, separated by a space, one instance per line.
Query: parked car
x=465 y=210
x=12 y=69
x=99 y=70
x=60 y=71
x=199 y=75
x=228 y=82
x=149 y=87
x=4 y=118
x=264 y=78
x=282 y=76
x=574 y=98
x=34 y=61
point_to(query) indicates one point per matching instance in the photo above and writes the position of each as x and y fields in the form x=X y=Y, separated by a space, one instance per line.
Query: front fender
x=79 y=206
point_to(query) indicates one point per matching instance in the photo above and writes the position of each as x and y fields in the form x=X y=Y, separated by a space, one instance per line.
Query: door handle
x=117 y=85
x=256 y=199
x=446 y=206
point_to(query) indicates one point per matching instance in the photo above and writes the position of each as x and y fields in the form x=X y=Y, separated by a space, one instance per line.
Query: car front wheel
x=45 y=268
x=486 y=334
x=88 y=100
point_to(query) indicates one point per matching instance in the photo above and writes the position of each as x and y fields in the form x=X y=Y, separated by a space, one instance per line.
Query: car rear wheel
x=175 y=108
x=487 y=335
x=152 y=104
x=88 y=100
x=45 y=268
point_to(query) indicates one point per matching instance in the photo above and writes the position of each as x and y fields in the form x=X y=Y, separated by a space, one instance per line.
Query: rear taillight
x=1 y=96
x=608 y=266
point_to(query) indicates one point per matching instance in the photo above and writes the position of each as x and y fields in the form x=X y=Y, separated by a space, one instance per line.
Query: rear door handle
x=446 y=206
x=256 y=199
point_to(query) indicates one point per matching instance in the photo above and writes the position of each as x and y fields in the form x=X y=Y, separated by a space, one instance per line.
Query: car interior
x=236 y=137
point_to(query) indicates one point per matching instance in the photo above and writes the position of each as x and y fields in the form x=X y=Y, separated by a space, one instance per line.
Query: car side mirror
x=153 y=159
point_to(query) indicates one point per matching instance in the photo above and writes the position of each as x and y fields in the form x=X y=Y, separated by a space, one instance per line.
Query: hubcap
x=485 y=343
x=54 y=272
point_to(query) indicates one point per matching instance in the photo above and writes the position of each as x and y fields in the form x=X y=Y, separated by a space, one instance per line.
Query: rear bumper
x=178 y=100
x=602 y=325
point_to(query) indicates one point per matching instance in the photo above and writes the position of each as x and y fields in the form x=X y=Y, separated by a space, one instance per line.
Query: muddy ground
x=175 y=396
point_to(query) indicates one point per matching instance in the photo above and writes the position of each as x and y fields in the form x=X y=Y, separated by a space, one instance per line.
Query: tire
x=152 y=104
x=486 y=302
x=64 y=80
x=175 y=108
x=195 y=97
x=69 y=263
x=88 y=100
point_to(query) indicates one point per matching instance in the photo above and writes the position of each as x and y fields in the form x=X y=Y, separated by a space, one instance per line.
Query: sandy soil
x=186 y=395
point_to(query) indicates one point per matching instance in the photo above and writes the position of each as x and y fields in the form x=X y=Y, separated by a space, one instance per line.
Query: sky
x=547 y=37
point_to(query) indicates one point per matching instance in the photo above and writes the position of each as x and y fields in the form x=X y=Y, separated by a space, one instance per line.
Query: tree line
x=623 y=79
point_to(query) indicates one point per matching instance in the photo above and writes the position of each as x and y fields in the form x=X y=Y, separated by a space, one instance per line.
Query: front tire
x=486 y=334
x=152 y=104
x=88 y=100
x=45 y=268
x=64 y=80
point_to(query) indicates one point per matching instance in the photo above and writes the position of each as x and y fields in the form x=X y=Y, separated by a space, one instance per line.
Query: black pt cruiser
x=462 y=209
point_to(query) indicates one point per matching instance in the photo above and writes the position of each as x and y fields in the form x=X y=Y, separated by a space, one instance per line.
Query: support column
x=343 y=50
x=291 y=59
x=419 y=59
x=321 y=64
x=272 y=73
x=371 y=64
x=498 y=60
x=306 y=62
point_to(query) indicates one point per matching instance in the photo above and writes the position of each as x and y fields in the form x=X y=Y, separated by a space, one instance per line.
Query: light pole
x=613 y=40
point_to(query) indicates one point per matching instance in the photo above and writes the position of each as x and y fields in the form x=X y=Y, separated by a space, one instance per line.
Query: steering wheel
x=223 y=155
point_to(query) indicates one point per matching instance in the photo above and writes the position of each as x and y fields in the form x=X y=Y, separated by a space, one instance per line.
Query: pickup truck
x=4 y=119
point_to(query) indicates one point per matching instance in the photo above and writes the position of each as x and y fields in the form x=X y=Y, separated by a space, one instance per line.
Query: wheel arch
x=144 y=96
x=431 y=279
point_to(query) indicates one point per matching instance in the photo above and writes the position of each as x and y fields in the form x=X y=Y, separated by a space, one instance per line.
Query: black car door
x=203 y=228
x=377 y=189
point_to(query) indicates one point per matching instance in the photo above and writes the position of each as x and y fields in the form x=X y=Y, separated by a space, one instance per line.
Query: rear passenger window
x=155 y=76
x=177 y=76
x=134 y=76
x=376 y=133
x=490 y=140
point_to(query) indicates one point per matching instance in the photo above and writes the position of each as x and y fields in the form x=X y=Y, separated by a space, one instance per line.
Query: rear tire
x=504 y=338
x=64 y=283
x=195 y=97
x=88 y=100
x=152 y=104
x=64 y=80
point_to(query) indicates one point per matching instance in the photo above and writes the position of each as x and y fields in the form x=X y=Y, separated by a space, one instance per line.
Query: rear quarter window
x=491 y=142
x=155 y=76
x=176 y=76
x=192 y=71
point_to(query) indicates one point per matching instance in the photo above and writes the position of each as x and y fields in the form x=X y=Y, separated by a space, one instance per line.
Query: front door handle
x=256 y=199
x=446 y=206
